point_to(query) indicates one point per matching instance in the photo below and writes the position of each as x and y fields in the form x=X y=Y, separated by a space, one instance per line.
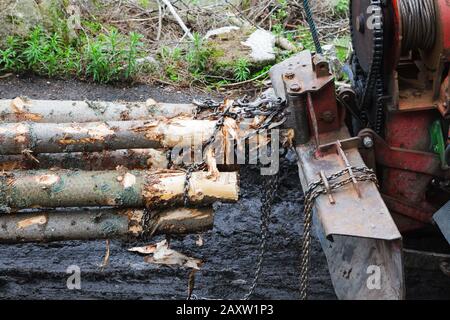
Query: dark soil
x=38 y=271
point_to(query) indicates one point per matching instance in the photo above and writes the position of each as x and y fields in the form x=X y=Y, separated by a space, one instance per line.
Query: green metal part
x=438 y=141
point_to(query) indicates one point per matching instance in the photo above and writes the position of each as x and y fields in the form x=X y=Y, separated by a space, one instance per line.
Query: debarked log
x=51 y=111
x=115 y=188
x=99 y=136
x=107 y=160
x=96 y=224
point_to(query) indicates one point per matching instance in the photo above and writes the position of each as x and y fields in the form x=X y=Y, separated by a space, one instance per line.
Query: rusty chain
x=148 y=224
x=270 y=189
x=199 y=166
x=315 y=190
x=272 y=108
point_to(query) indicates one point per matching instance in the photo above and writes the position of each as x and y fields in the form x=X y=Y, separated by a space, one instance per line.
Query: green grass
x=342 y=7
x=242 y=70
x=342 y=44
x=100 y=52
x=105 y=58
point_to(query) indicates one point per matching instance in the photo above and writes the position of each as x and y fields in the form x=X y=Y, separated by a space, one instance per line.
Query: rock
x=148 y=59
x=18 y=17
x=285 y=44
x=262 y=44
x=329 y=52
x=220 y=31
x=233 y=43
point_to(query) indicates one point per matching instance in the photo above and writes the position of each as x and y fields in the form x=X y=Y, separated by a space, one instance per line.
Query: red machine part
x=444 y=16
x=406 y=163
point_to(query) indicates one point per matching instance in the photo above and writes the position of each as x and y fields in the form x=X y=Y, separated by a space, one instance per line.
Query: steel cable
x=312 y=26
x=418 y=19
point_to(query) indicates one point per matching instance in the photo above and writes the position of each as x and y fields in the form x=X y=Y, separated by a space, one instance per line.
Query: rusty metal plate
x=416 y=100
x=353 y=262
x=358 y=235
x=303 y=75
x=366 y=217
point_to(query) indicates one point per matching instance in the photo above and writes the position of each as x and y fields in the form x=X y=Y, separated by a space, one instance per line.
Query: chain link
x=147 y=225
x=199 y=166
x=270 y=189
x=315 y=190
x=272 y=108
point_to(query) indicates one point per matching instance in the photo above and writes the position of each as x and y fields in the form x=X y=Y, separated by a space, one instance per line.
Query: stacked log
x=99 y=136
x=94 y=224
x=150 y=159
x=49 y=111
x=114 y=188
x=110 y=159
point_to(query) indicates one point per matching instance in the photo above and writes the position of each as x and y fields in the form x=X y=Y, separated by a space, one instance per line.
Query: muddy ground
x=38 y=271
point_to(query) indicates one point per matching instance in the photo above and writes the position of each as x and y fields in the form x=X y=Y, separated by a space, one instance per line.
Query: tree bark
x=119 y=188
x=100 y=224
x=152 y=159
x=51 y=111
x=99 y=136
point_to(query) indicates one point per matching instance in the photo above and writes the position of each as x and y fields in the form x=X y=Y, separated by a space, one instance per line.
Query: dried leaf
x=37 y=220
x=199 y=241
x=166 y=256
x=144 y=250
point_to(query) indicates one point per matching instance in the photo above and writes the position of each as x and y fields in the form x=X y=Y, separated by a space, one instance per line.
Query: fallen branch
x=178 y=19
x=245 y=82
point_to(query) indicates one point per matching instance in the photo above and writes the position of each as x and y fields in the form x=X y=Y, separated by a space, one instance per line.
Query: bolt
x=295 y=87
x=289 y=75
x=328 y=116
x=360 y=23
x=368 y=142
x=417 y=93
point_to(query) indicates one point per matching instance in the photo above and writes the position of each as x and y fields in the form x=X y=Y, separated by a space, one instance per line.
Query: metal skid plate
x=366 y=216
x=358 y=235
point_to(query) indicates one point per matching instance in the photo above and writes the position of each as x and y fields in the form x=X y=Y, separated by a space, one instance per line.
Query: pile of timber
x=73 y=170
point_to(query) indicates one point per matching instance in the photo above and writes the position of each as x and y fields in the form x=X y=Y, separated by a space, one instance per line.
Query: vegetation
x=105 y=51
x=107 y=57
x=342 y=7
x=48 y=50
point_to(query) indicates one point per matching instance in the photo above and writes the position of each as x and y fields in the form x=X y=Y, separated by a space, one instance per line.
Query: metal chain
x=190 y=170
x=270 y=189
x=275 y=112
x=199 y=166
x=147 y=225
x=272 y=108
x=315 y=190
x=372 y=93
